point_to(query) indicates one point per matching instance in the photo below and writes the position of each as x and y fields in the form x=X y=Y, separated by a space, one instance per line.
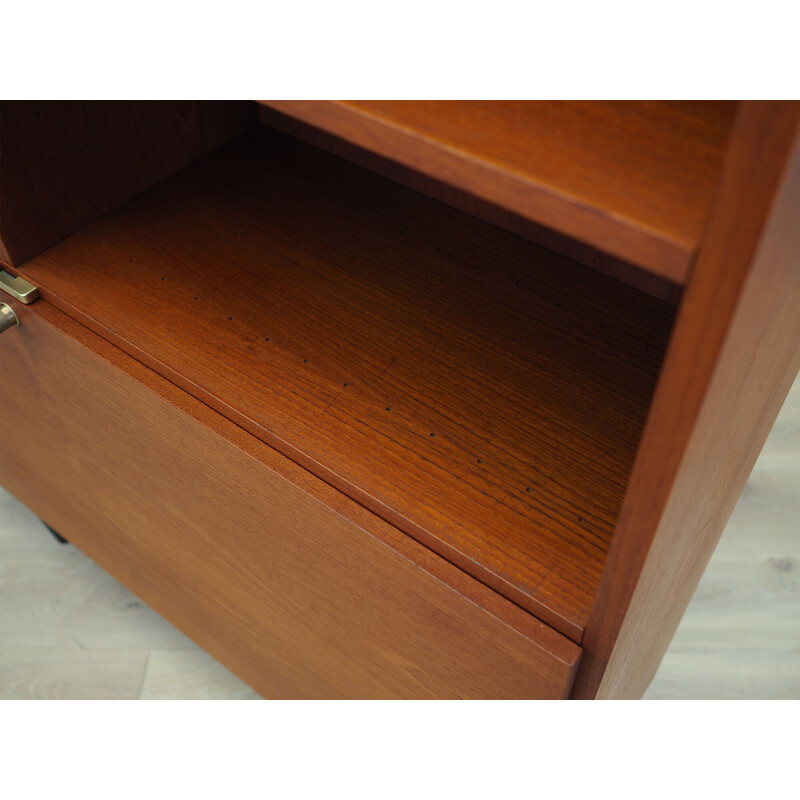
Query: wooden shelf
x=481 y=393
x=635 y=179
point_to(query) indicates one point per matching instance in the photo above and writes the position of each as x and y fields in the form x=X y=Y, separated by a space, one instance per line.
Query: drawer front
x=289 y=583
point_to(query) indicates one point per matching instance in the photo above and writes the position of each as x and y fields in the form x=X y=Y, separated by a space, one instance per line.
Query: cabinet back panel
x=66 y=163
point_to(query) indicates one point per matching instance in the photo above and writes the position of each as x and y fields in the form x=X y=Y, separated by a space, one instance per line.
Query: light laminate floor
x=69 y=630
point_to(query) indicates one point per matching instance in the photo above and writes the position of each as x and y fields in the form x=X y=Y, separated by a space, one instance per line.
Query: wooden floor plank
x=53 y=596
x=740 y=636
x=70 y=674
x=191 y=675
x=736 y=676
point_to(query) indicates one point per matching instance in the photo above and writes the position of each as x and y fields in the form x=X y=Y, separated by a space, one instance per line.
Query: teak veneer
x=633 y=178
x=479 y=392
x=359 y=439
x=389 y=618
x=63 y=164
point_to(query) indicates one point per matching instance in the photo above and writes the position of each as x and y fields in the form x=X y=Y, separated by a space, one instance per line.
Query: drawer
x=299 y=590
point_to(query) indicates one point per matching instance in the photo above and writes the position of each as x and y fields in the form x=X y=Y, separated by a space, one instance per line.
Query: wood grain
x=634 y=179
x=190 y=674
x=65 y=163
x=548 y=238
x=745 y=603
x=734 y=353
x=69 y=602
x=299 y=590
x=52 y=674
x=480 y=393
x=739 y=638
x=739 y=676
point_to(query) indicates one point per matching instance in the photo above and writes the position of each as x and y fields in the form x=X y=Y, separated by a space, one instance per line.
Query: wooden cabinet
x=401 y=399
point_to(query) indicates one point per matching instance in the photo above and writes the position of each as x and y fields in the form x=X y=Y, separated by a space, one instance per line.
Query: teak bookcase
x=399 y=399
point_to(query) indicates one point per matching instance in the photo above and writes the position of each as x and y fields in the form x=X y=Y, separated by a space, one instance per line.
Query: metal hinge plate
x=18 y=288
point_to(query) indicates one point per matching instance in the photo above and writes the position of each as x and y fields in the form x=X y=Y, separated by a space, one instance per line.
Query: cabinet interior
x=482 y=393
x=635 y=179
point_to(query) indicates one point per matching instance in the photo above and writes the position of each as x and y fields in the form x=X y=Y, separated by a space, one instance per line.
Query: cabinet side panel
x=732 y=359
x=295 y=588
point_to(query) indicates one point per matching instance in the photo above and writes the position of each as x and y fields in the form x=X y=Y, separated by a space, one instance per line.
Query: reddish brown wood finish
x=641 y=279
x=296 y=588
x=477 y=392
x=635 y=179
x=482 y=394
x=734 y=353
x=63 y=164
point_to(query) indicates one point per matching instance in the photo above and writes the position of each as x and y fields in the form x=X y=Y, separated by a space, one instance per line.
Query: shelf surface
x=481 y=393
x=633 y=178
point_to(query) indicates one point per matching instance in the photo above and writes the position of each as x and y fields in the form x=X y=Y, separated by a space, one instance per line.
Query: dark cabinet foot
x=58 y=537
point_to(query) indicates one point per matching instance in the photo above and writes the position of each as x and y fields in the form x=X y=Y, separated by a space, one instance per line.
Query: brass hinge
x=18 y=288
